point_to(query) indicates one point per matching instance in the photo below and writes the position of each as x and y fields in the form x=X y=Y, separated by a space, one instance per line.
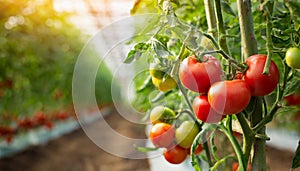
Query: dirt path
x=76 y=152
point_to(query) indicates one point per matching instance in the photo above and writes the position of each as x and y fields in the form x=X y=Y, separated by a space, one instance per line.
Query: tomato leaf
x=226 y=7
x=136 y=52
x=296 y=159
x=145 y=149
x=160 y=96
x=145 y=84
x=292 y=87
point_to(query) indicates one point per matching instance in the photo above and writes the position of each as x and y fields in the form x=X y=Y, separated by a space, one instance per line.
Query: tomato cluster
x=219 y=97
x=176 y=141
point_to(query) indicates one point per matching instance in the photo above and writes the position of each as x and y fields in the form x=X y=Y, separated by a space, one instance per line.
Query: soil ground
x=76 y=152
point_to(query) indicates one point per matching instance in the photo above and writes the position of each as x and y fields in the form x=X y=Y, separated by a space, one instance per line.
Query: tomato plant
x=261 y=84
x=199 y=76
x=230 y=62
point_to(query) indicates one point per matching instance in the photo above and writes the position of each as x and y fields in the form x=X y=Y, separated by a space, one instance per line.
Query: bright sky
x=107 y=11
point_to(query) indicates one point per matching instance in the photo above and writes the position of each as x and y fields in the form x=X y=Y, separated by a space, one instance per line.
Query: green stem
x=212 y=40
x=207 y=152
x=220 y=27
x=268 y=12
x=248 y=136
x=226 y=56
x=235 y=145
x=259 y=156
x=249 y=47
x=210 y=16
x=266 y=119
x=249 y=44
x=184 y=93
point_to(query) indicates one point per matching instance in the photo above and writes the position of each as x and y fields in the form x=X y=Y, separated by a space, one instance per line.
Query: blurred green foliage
x=38 y=51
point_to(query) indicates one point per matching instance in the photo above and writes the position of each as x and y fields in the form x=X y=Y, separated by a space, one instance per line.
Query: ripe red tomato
x=260 y=84
x=293 y=99
x=61 y=115
x=40 y=118
x=26 y=123
x=4 y=130
x=229 y=97
x=199 y=76
x=176 y=155
x=203 y=110
x=162 y=135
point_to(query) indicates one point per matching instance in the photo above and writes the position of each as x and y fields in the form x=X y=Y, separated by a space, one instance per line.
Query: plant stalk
x=210 y=17
x=249 y=47
x=259 y=155
x=221 y=28
x=249 y=44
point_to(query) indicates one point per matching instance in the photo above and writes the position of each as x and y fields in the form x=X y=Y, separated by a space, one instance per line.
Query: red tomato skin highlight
x=199 y=76
x=229 y=97
x=203 y=110
x=260 y=84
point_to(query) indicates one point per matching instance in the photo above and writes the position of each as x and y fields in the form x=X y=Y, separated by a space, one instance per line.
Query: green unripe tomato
x=164 y=85
x=156 y=73
x=162 y=114
x=292 y=57
x=186 y=133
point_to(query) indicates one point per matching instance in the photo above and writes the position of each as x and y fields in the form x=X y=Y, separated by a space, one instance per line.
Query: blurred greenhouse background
x=39 y=44
x=40 y=41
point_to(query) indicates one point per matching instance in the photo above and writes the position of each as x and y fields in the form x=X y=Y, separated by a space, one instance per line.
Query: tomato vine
x=236 y=35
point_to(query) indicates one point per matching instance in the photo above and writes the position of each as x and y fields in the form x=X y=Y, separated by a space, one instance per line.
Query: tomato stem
x=226 y=56
x=220 y=27
x=249 y=44
x=268 y=8
x=210 y=17
x=248 y=136
x=212 y=40
x=228 y=132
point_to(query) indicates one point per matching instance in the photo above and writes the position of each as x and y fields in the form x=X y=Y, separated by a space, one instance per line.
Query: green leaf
x=136 y=52
x=145 y=84
x=145 y=149
x=159 y=48
x=226 y=8
x=292 y=86
x=296 y=159
x=158 y=97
